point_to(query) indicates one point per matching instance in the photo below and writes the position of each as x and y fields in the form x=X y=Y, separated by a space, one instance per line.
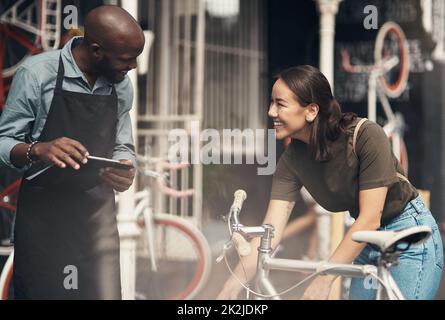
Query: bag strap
x=354 y=143
x=357 y=128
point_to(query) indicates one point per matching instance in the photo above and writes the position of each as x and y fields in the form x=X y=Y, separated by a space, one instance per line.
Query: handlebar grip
x=242 y=245
x=240 y=196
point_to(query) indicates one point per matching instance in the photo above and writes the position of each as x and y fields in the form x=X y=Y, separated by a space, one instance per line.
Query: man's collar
x=72 y=70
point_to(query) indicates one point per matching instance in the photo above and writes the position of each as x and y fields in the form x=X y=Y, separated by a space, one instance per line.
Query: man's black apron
x=66 y=238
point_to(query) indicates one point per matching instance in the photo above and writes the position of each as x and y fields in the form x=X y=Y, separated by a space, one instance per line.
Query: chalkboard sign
x=360 y=42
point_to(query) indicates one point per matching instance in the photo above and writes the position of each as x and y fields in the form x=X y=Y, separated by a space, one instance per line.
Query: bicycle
x=389 y=243
x=388 y=77
x=26 y=28
x=7 y=250
x=173 y=258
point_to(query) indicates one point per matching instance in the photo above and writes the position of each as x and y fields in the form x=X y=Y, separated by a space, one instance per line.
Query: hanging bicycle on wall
x=27 y=27
x=388 y=78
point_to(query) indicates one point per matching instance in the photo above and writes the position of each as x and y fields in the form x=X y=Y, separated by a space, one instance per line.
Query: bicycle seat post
x=389 y=259
x=385 y=262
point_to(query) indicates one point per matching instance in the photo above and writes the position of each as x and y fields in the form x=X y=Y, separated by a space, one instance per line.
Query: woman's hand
x=231 y=290
x=245 y=271
x=319 y=289
x=119 y=179
x=277 y=215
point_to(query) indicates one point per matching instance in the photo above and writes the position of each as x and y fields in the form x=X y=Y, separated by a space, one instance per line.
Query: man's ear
x=96 y=51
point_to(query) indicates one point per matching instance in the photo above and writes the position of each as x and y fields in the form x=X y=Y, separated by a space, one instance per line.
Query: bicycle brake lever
x=227 y=246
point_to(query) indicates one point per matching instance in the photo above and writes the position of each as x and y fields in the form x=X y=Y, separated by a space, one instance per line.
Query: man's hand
x=62 y=152
x=119 y=179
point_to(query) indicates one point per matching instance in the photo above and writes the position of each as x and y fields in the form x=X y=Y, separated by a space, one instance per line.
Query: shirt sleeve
x=376 y=159
x=18 y=114
x=285 y=183
x=124 y=148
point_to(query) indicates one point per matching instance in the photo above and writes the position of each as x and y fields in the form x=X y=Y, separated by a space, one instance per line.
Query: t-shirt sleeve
x=285 y=183
x=377 y=167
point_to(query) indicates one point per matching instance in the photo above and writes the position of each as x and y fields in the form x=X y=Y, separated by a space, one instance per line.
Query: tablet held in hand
x=108 y=163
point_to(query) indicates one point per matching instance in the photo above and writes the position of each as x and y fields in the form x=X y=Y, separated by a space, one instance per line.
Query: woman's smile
x=277 y=124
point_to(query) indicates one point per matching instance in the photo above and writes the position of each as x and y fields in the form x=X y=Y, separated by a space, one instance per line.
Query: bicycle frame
x=144 y=208
x=152 y=219
x=267 y=262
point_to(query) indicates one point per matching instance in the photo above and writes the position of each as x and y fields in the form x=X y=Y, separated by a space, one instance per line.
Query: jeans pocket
x=438 y=246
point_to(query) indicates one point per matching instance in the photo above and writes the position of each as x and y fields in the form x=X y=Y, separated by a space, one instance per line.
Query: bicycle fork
x=150 y=234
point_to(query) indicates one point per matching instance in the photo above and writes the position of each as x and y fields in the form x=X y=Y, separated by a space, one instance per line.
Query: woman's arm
x=371 y=207
x=300 y=224
x=277 y=215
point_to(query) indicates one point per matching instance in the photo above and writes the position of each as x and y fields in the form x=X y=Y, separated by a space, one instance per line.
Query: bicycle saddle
x=391 y=241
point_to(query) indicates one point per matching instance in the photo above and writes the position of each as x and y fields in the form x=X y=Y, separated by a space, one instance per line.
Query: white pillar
x=199 y=107
x=128 y=230
x=328 y=10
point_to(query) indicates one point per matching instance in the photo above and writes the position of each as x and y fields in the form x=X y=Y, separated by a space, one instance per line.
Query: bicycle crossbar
x=347 y=270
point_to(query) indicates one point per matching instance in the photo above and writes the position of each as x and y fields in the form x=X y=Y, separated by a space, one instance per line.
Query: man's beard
x=106 y=70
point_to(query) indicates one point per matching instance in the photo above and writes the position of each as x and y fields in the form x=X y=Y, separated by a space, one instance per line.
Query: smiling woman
x=346 y=164
x=304 y=108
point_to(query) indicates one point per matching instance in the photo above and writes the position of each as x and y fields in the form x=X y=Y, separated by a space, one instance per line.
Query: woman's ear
x=312 y=112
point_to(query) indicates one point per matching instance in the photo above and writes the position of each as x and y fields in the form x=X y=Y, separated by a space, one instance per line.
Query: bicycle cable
x=313 y=275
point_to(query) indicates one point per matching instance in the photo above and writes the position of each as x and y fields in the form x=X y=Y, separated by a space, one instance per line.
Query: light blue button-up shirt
x=31 y=94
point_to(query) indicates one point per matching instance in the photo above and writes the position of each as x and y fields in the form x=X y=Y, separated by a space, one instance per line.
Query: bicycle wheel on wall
x=6 y=290
x=183 y=259
x=391 y=42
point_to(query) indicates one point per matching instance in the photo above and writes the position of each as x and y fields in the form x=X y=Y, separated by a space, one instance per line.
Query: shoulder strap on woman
x=357 y=128
x=354 y=143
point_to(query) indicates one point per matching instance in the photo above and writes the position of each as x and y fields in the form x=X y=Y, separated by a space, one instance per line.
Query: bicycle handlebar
x=381 y=68
x=239 y=197
x=160 y=176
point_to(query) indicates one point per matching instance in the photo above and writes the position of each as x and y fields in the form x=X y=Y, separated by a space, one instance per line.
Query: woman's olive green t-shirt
x=336 y=183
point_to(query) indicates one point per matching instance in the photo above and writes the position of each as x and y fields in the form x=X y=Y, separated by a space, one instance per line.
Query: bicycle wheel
x=183 y=259
x=18 y=33
x=5 y=278
x=391 y=42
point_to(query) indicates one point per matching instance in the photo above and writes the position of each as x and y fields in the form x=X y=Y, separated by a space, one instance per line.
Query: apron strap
x=60 y=75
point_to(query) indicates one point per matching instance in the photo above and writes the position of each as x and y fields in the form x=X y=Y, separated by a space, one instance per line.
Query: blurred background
x=214 y=61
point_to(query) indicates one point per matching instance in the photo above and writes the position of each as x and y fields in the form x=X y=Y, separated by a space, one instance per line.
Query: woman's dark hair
x=309 y=85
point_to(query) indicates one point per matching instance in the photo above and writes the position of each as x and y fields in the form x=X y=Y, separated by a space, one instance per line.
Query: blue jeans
x=419 y=272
